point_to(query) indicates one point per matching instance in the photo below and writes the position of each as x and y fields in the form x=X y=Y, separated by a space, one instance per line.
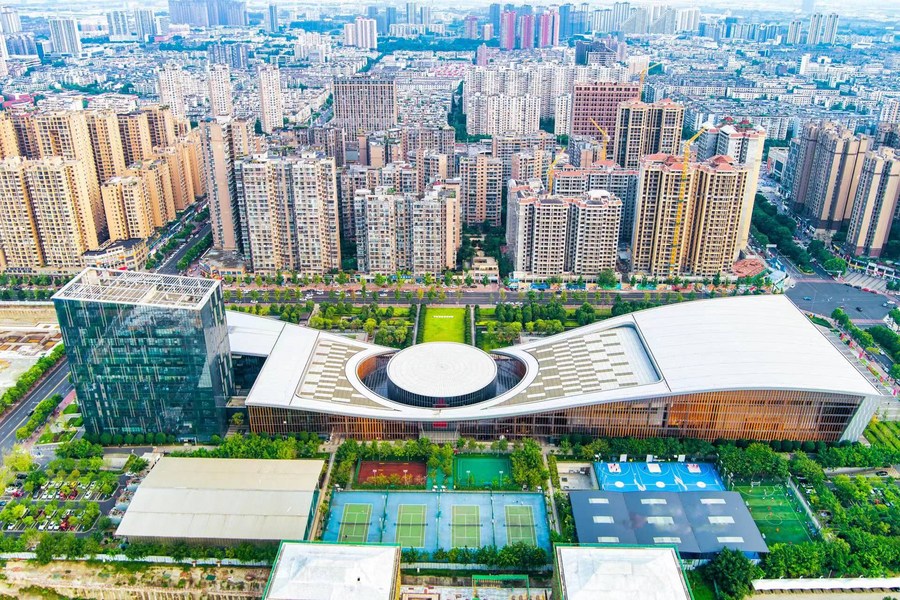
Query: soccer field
x=775 y=512
x=444 y=325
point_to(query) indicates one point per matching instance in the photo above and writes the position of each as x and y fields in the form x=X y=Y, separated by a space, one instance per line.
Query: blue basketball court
x=658 y=476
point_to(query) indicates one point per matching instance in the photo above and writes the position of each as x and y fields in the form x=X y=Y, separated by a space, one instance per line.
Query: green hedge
x=43 y=410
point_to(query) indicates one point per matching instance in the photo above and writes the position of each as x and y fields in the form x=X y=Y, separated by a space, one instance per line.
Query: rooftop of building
x=615 y=572
x=319 y=571
x=697 y=523
x=223 y=499
x=138 y=288
x=726 y=344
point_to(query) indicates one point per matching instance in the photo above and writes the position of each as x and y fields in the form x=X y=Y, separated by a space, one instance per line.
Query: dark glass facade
x=144 y=368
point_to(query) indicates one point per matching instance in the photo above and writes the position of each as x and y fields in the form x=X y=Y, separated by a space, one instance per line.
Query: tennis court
x=411 y=525
x=776 y=512
x=478 y=471
x=429 y=520
x=355 y=523
x=520 y=524
x=658 y=476
x=466 y=527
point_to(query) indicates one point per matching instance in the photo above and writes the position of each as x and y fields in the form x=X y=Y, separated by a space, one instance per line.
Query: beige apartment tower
x=481 y=181
x=875 y=203
x=9 y=146
x=271 y=102
x=643 y=129
x=291 y=210
x=693 y=235
x=106 y=140
x=137 y=144
x=170 y=89
x=128 y=210
x=20 y=246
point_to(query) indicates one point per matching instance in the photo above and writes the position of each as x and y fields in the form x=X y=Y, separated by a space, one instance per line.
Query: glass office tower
x=148 y=352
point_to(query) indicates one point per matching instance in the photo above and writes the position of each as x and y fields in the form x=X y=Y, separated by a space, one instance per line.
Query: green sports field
x=478 y=470
x=355 y=523
x=444 y=325
x=411 y=525
x=465 y=527
x=776 y=514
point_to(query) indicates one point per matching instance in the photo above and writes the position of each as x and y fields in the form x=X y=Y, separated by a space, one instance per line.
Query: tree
x=733 y=574
x=607 y=278
x=237 y=419
x=528 y=465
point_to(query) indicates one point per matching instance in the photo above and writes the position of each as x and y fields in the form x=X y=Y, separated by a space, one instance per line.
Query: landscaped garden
x=444 y=325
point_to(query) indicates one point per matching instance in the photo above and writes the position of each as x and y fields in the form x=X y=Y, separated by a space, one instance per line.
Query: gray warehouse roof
x=224 y=499
x=697 y=523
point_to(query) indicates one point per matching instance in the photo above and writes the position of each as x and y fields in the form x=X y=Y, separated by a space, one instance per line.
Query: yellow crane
x=679 y=207
x=604 y=141
x=642 y=75
x=558 y=156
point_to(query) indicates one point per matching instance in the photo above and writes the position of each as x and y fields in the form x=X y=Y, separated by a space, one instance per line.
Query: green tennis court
x=466 y=527
x=776 y=513
x=355 y=523
x=411 y=525
x=520 y=524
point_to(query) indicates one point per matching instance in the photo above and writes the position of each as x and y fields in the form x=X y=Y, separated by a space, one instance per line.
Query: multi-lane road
x=57 y=382
x=169 y=266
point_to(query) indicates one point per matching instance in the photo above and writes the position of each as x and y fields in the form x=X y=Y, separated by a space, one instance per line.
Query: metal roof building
x=614 y=573
x=699 y=524
x=739 y=367
x=318 y=571
x=224 y=500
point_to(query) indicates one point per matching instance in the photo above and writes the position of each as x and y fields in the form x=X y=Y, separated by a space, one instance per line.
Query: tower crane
x=682 y=198
x=642 y=75
x=605 y=140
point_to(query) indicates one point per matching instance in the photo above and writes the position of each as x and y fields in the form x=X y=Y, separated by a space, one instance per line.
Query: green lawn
x=444 y=325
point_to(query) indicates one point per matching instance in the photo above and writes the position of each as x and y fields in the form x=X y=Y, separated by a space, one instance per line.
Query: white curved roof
x=442 y=369
x=735 y=343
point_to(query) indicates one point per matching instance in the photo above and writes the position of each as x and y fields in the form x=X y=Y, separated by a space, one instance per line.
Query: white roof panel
x=613 y=573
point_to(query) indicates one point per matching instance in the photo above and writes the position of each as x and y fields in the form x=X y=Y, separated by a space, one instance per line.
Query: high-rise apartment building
x=158 y=181
x=470 y=27
x=65 y=216
x=20 y=244
x=504 y=146
x=64 y=35
x=406 y=232
x=170 y=89
x=106 y=141
x=552 y=235
x=291 y=209
x=9 y=145
x=825 y=167
x=875 y=203
x=161 y=121
x=822 y=29
x=362 y=33
x=220 y=102
x=272 y=18
x=497 y=114
x=621 y=183
x=219 y=156
x=134 y=131
x=508 y=30
x=481 y=189
x=234 y=55
x=65 y=134
x=599 y=102
x=9 y=20
x=794 y=33
x=643 y=129
x=209 y=13
x=145 y=24
x=181 y=379
x=118 y=23
x=365 y=103
x=126 y=201
x=696 y=234
x=271 y=102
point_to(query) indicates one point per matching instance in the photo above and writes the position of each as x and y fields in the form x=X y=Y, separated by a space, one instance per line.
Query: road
x=55 y=383
x=168 y=267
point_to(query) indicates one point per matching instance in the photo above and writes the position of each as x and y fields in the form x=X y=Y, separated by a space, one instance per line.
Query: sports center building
x=159 y=353
x=750 y=367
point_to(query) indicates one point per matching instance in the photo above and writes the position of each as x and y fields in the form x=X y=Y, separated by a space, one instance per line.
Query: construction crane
x=682 y=198
x=604 y=142
x=559 y=155
x=642 y=76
